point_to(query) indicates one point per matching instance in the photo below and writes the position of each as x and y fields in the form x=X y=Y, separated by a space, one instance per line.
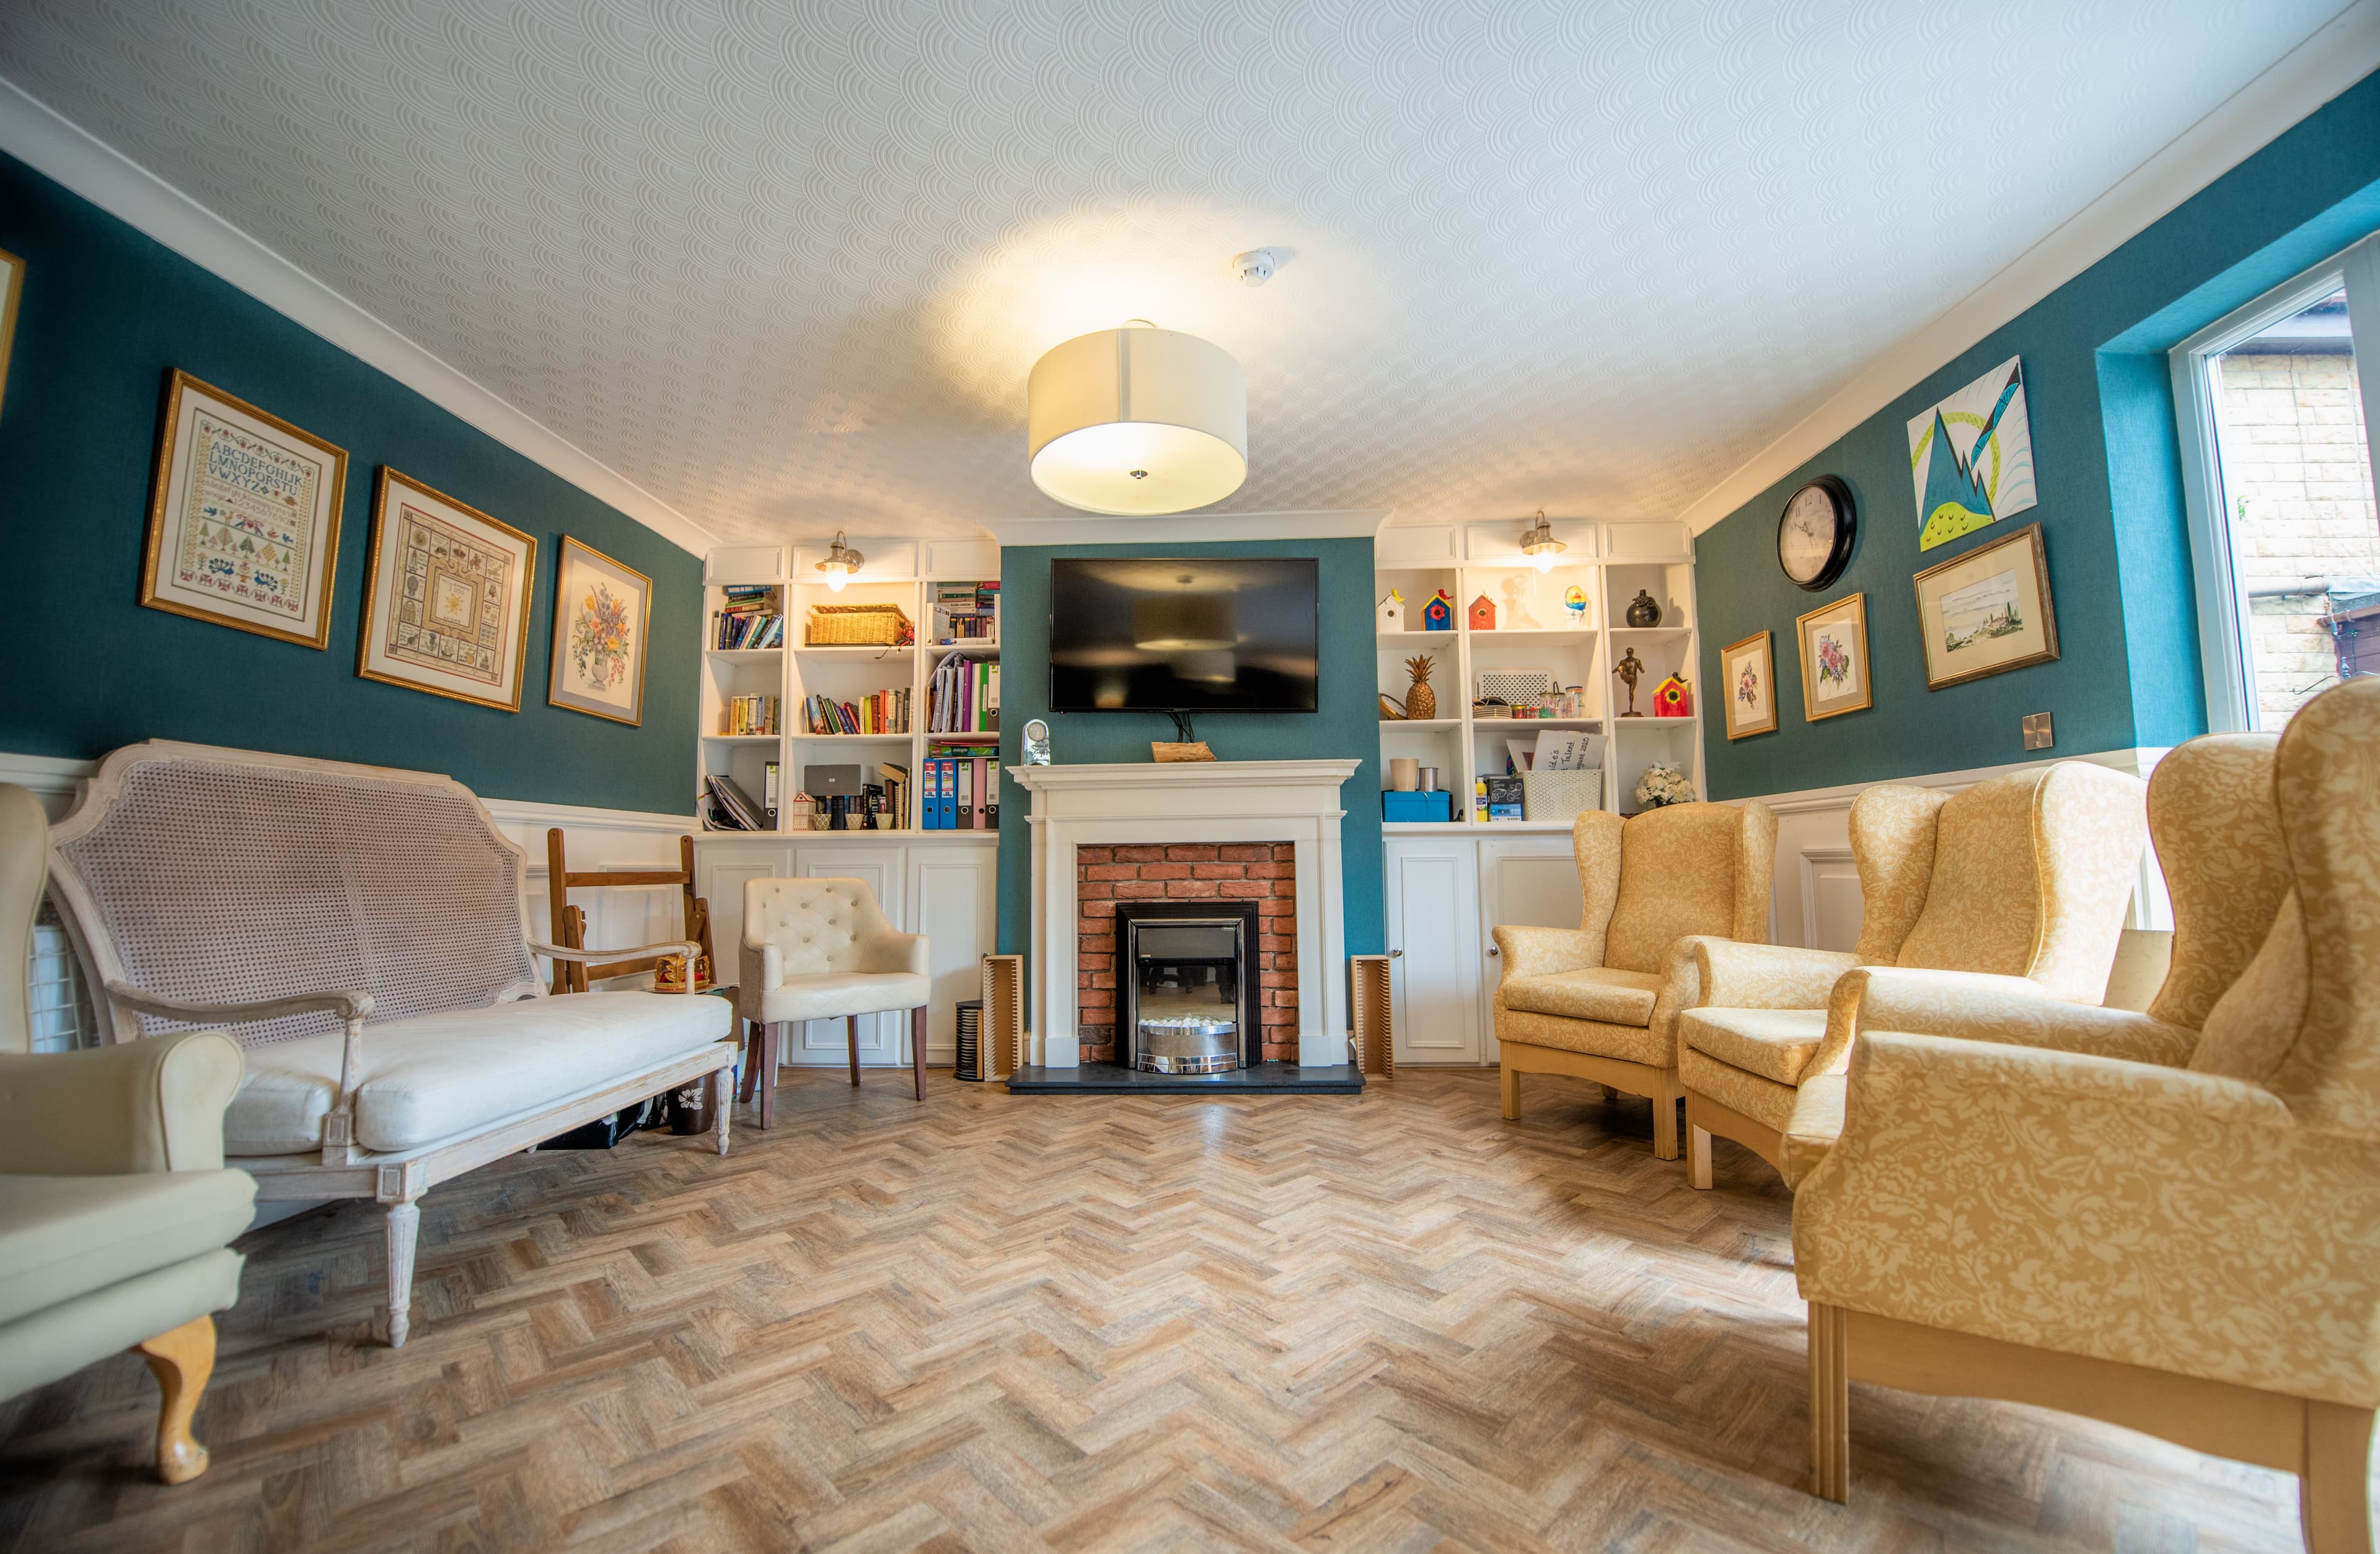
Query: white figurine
x=1517 y=612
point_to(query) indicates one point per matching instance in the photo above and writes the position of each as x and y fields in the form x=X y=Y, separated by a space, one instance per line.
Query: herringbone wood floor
x=996 y=1322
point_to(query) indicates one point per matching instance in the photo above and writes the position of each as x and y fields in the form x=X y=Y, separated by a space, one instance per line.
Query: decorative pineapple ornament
x=1421 y=702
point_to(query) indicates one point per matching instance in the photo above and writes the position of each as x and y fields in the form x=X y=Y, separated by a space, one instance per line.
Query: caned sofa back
x=211 y=875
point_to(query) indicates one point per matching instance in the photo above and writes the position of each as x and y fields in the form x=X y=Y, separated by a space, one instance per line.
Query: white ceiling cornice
x=35 y=134
x=1353 y=523
x=2341 y=53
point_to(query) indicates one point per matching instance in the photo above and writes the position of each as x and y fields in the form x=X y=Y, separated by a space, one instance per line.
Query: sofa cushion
x=440 y=1076
x=62 y=1237
x=1605 y=993
x=1773 y=1043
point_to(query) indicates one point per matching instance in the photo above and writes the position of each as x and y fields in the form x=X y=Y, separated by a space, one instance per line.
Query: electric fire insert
x=1189 y=993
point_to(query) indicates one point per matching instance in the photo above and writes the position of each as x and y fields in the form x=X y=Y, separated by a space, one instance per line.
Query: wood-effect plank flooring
x=1389 y=1322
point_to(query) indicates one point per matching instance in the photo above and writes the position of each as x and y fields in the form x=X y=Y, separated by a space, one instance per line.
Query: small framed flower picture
x=1748 y=674
x=1834 y=659
x=600 y=610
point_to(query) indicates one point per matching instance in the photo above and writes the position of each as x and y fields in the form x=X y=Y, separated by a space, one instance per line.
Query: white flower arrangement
x=1663 y=784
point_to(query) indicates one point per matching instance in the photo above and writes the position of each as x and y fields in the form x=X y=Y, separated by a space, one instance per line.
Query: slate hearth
x=1110 y=1079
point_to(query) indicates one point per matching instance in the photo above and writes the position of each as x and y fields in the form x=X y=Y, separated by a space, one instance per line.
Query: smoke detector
x=1254 y=268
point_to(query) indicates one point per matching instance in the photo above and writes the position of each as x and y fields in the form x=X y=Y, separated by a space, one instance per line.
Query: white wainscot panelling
x=1832 y=907
x=952 y=899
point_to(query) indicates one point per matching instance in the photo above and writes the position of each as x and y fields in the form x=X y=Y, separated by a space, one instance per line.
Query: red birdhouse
x=1483 y=615
x=1673 y=698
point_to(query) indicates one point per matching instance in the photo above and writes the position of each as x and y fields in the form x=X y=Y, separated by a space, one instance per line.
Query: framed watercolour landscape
x=1987 y=611
x=1748 y=674
x=446 y=597
x=244 y=518
x=1834 y=659
x=601 y=610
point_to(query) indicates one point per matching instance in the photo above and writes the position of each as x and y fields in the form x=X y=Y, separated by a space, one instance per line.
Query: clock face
x=1814 y=537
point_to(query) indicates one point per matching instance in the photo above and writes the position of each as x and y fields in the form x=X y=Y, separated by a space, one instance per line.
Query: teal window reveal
x=2277 y=426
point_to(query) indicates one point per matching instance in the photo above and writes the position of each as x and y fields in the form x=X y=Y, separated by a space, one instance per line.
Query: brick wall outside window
x=1263 y=872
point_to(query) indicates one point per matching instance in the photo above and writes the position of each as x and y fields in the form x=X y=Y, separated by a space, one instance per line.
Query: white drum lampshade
x=1137 y=421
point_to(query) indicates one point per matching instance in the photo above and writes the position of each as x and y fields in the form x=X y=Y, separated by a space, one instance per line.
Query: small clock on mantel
x=1814 y=534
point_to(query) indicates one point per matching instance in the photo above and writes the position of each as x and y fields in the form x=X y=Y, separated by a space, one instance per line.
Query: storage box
x=1417 y=807
x=1560 y=796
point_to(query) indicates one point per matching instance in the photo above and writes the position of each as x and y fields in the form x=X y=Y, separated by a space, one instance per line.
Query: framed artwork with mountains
x=1971 y=457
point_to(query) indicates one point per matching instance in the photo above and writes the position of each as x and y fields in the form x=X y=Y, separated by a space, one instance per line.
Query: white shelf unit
x=900 y=572
x=1608 y=562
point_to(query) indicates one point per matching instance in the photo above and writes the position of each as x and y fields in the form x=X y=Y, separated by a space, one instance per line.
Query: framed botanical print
x=244 y=518
x=1834 y=659
x=1987 y=611
x=600 y=610
x=446 y=597
x=1748 y=671
x=12 y=285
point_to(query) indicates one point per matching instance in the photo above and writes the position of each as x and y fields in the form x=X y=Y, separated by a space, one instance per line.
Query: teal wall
x=1347 y=722
x=2107 y=466
x=106 y=313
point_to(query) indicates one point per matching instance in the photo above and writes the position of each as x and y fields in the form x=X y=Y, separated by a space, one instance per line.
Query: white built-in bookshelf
x=1608 y=562
x=909 y=573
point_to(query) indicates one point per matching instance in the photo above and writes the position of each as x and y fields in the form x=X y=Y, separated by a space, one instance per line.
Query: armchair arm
x=1734 y=974
x=894 y=951
x=687 y=947
x=1539 y=952
x=353 y=1008
x=1848 y=1015
x=134 y=1107
x=2137 y=1213
x=2013 y=1012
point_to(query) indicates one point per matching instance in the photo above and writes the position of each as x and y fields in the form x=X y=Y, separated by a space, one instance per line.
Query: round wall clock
x=1814 y=534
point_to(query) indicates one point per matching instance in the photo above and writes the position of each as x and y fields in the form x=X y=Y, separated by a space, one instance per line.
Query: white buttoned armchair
x=814 y=949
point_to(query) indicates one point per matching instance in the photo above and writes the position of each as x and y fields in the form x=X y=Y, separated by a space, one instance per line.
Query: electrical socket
x=2036 y=731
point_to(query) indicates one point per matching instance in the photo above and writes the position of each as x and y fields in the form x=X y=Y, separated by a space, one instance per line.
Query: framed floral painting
x=446 y=597
x=244 y=519
x=1834 y=659
x=1748 y=672
x=600 y=610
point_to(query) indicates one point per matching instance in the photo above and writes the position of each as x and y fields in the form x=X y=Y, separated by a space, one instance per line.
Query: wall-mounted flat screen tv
x=1198 y=635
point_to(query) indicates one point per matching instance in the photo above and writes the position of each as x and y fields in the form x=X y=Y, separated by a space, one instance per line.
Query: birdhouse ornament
x=1483 y=613
x=1574 y=600
x=1438 y=614
x=1393 y=612
x=1673 y=698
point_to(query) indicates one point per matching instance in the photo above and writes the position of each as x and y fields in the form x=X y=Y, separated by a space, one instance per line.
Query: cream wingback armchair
x=1599 y=1001
x=116 y=1215
x=2169 y=1220
x=815 y=949
x=2020 y=883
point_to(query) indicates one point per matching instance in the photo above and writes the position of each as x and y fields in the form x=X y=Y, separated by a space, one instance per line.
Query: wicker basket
x=1560 y=796
x=857 y=625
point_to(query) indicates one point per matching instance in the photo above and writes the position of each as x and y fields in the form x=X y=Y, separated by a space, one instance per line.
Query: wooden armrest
x=675 y=947
x=347 y=1005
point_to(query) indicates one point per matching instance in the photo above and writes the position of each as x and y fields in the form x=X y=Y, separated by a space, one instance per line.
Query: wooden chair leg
x=404 y=1227
x=1665 y=1122
x=181 y=1360
x=1698 y=1150
x=772 y=1038
x=918 y=1048
x=1510 y=1083
x=752 y=1038
x=1830 y=1409
x=851 y=1031
x=2333 y=1495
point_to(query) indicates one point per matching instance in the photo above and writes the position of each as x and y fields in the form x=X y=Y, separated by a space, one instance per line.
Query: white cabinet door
x=1531 y=880
x=1433 y=912
x=883 y=1038
x=953 y=901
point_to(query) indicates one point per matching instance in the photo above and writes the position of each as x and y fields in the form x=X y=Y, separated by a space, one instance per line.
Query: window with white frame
x=2277 y=448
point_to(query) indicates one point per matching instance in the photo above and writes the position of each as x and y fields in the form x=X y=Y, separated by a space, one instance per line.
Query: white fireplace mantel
x=1150 y=804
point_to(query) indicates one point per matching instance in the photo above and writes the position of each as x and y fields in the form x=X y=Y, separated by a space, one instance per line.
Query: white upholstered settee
x=361 y=933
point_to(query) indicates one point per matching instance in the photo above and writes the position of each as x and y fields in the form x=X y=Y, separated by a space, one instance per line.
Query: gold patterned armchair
x=1599 y=1001
x=2018 y=884
x=2167 y=1220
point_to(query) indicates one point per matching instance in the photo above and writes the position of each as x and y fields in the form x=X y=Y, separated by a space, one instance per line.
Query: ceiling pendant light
x=841 y=562
x=1539 y=544
x=1137 y=421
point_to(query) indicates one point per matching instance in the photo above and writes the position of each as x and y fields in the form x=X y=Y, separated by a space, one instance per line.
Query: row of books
x=749 y=714
x=966 y=612
x=959 y=792
x=964 y=695
x=756 y=630
x=884 y=712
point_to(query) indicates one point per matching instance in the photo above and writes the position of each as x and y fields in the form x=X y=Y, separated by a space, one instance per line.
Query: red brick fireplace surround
x=1265 y=872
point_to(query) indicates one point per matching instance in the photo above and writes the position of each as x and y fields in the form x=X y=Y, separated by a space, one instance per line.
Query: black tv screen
x=1201 y=635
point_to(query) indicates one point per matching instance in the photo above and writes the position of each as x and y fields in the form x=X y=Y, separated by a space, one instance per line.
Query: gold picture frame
x=599 y=638
x=1747 y=673
x=446 y=597
x=1993 y=603
x=1832 y=640
x=12 y=286
x=243 y=517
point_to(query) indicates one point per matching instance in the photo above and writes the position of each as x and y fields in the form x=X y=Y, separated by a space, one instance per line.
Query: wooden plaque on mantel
x=1165 y=750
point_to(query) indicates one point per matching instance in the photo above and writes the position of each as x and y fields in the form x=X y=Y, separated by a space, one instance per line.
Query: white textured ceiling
x=787 y=266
